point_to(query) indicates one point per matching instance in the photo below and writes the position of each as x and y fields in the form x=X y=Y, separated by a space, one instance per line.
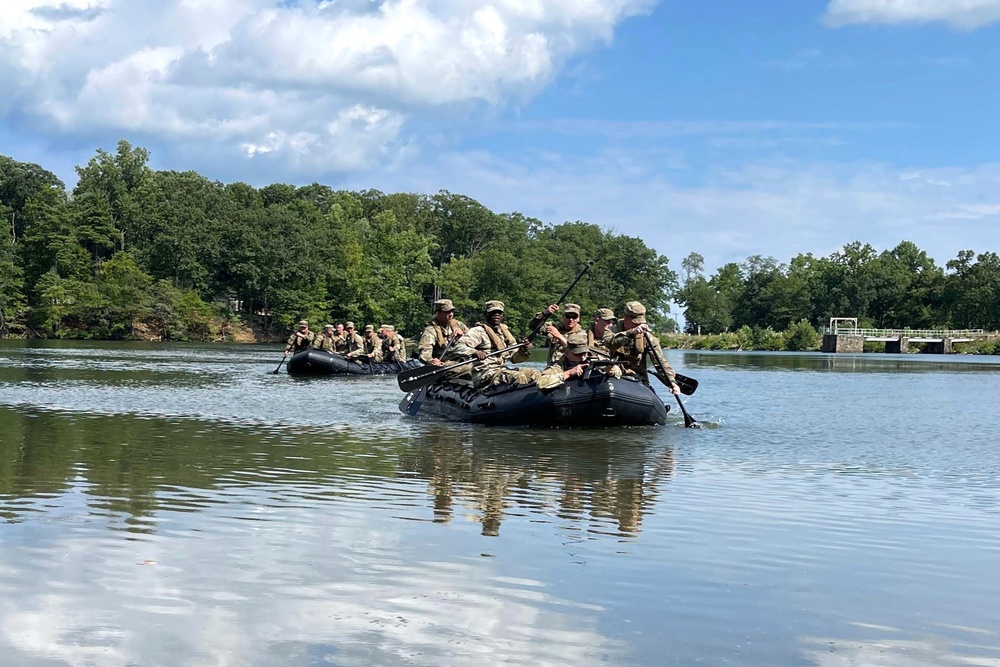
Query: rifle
x=424 y=375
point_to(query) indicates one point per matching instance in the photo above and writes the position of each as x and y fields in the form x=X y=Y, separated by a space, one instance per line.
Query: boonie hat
x=571 y=308
x=369 y=328
x=604 y=314
x=492 y=306
x=635 y=311
x=443 y=305
x=577 y=343
x=303 y=323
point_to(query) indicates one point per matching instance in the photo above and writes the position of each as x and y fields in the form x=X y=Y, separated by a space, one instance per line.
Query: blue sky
x=721 y=127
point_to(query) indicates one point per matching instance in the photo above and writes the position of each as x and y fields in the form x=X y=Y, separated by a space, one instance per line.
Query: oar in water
x=689 y=421
x=275 y=371
x=425 y=375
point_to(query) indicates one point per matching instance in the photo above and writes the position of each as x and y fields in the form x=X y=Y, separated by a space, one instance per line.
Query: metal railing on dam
x=935 y=341
x=914 y=335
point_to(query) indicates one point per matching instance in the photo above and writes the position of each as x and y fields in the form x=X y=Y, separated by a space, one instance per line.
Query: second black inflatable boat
x=320 y=362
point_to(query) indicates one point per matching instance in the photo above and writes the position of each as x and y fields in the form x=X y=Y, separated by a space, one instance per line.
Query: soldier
x=299 y=340
x=393 y=346
x=441 y=330
x=340 y=339
x=600 y=332
x=371 y=349
x=492 y=336
x=557 y=333
x=325 y=340
x=572 y=363
x=352 y=341
x=632 y=345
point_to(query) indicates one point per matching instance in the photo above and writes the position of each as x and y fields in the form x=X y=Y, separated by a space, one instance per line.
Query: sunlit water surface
x=182 y=505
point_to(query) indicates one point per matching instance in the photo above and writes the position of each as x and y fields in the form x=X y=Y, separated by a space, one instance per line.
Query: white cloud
x=963 y=14
x=328 y=84
x=304 y=582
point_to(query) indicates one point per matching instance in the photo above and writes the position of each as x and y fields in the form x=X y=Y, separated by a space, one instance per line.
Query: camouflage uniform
x=325 y=340
x=300 y=340
x=352 y=343
x=633 y=349
x=371 y=348
x=435 y=337
x=555 y=345
x=393 y=347
x=485 y=338
x=576 y=342
x=339 y=343
x=601 y=344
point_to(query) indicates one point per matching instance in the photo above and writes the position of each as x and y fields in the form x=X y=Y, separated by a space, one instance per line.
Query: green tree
x=19 y=183
x=117 y=184
x=126 y=297
x=972 y=291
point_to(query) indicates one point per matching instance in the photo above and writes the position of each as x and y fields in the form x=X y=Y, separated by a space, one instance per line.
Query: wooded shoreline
x=133 y=253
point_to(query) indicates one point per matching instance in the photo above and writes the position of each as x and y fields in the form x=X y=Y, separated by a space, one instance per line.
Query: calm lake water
x=180 y=505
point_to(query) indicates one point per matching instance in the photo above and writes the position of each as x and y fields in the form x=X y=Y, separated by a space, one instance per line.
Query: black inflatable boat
x=320 y=362
x=597 y=401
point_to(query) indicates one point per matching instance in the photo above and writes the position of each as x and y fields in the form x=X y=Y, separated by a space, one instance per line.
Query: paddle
x=275 y=371
x=424 y=375
x=689 y=421
x=289 y=352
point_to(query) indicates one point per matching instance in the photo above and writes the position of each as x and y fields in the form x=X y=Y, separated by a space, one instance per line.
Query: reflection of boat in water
x=597 y=401
x=321 y=362
x=585 y=481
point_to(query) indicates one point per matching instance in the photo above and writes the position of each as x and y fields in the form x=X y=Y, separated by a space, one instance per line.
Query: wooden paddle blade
x=688 y=385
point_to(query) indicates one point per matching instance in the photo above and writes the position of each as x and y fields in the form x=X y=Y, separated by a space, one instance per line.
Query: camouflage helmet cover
x=577 y=343
x=635 y=311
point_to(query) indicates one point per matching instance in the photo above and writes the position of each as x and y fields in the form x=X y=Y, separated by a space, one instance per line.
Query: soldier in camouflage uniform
x=632 y=346
x=339 y=339
x=599 y=333
x=393 y=345
x=572 y=363
x=558 y=332
x=438 y=332
x=300 y=339
x=492 y=336
x=352 y=342
x=371 y=350
x=325 y=340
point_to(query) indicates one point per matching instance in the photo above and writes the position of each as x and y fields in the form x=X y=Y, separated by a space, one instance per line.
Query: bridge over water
x=844 y=335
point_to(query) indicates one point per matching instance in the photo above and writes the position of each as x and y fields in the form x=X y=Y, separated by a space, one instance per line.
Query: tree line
x=895 y=289
x=176 y=253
